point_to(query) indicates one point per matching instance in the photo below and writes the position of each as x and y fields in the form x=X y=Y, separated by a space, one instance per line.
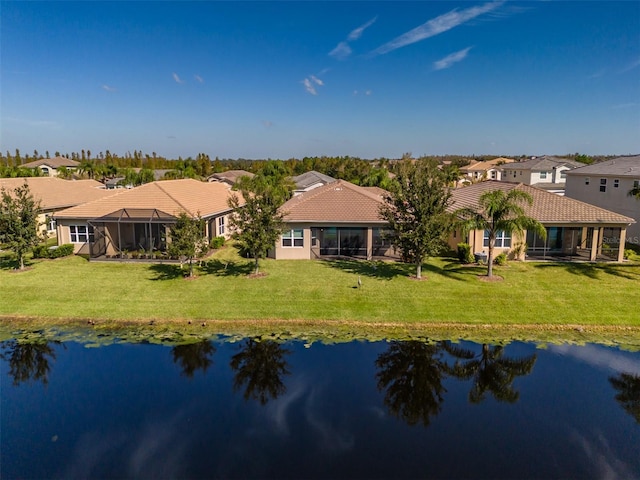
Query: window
x=603 y=184
x=293 y=238
x=51 y=223
x=220 y=225
x=81 y=233
x=586 y=181
x=503 y=239
x=563 y=174
x=636 y=183
x=616 y=183
x=543 y=175
x=493 y=174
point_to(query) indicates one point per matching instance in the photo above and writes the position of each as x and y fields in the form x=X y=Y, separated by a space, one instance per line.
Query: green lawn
x=531 y=293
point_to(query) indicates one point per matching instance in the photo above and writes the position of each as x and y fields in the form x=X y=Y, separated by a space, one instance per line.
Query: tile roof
x=231 y=176
x=547 y=208
x=312 y=177
x=55 y=193
x=489 y=164
x=542 y=164
x=170 y=196
x=621 y=166
x=339 y=202
x=55 y=162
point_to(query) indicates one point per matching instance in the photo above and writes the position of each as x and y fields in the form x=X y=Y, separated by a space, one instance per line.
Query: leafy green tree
x=416 y=210
x=500 y=212
x=635 y=192
x=194 y=356
x=490 y=370
x=412 y=372
x=259 y=367
x=19 y=223
x=87 y=167
x=187 y=239
x=256 y=222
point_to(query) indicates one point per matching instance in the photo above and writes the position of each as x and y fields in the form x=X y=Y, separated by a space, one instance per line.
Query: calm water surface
x=252 y=409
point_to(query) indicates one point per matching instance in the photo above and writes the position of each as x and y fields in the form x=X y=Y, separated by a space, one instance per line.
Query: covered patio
x=127 y=230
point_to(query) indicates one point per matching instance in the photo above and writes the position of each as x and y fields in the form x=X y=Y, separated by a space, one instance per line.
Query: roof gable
x=56 y=193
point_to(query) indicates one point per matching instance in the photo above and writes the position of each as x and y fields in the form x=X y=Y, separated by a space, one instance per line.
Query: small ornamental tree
x=416 y=209
x=187 y=239
x=19 y=221
x=635 y=192
x=257 y=225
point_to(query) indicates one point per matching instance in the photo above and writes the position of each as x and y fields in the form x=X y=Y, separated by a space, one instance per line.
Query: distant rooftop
x=621 y=166
x=55 y=162
x=307 y=179
x=543 y=163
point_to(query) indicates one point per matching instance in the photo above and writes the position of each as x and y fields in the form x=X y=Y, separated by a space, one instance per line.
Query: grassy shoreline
x=320 y=299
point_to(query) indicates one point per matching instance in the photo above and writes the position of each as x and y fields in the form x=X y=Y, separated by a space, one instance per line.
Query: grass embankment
x=534 y=299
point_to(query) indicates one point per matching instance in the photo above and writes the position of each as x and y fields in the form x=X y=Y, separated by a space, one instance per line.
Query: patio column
x=583 y=237
x=594 y=244
x=369 y=243
x=623 y=238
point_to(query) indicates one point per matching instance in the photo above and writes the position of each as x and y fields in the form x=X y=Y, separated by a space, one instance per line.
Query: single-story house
x=55 y=194
x=574 y=228
x=487 y=170
x=50 y=166
x=138 y=219
x=336 y=219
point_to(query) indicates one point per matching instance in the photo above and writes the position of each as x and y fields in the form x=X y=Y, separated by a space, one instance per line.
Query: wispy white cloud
x=109 y=88
x=310 y=84
x=634 y=64
x=599 y=357
x=177 y=78
x=357 y=33
x=436 y=26
x=198 y=78
x=343 y=50
x=449 y=60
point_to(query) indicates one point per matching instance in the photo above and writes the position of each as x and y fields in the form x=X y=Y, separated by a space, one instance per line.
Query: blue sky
x=293 y=79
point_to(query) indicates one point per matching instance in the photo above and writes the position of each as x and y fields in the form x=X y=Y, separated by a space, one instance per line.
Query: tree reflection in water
x=412 y=374
x=28 y=360
x=490 y=370
x=259 y=367
x=628 y=388
x=194 y=356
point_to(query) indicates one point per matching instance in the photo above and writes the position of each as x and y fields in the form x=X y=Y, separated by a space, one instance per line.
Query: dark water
x=281 y=410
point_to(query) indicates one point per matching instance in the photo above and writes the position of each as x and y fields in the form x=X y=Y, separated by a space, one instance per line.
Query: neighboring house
x=50 y=166
x=139 y=218
x=489 y=170
x=55 y=194
x=574 y=229
x=230 y=177
x=546 y=172
x=337 y=219
x=116 y=182
x=310 y=180
x=607 y=185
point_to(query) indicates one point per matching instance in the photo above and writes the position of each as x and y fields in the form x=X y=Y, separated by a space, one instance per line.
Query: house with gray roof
x=607 y=185
x=575 y=229
x=310 y=180
x=546 y=172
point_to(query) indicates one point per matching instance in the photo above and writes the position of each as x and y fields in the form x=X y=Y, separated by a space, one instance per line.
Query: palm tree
x=28 y=361
x=628 y=387
x=635 y=192
x=490 y=371
x=194 y=356
x=500 y=212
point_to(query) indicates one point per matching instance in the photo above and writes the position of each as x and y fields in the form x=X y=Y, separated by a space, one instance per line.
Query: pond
x=256 y=408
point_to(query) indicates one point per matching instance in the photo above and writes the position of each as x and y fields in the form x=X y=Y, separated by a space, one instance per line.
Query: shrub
x=464 y=253
x=62 y=251
x=41 y=251
x=629 y=253
x=501 y=259
x=216 y=242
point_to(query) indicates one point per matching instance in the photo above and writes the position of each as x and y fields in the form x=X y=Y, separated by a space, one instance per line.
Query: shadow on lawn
x=595 y=270
x=166 y=271
x=223 y=268
x=388 y=270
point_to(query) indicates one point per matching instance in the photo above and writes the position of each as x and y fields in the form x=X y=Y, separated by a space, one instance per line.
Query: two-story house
x=546 y=172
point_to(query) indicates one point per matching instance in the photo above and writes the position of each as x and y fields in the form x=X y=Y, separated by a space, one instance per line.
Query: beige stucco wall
x=64 y=236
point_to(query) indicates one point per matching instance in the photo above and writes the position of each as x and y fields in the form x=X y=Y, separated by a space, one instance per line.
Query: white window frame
x=293 y=238
x=616 y=183
x=81 y=233
x=603 y=184
x=503 y=239
x=221 y=226
x=51 y=223
x=543 y=175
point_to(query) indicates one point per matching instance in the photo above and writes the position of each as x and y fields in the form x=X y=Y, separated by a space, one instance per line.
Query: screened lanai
x=130 y=230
